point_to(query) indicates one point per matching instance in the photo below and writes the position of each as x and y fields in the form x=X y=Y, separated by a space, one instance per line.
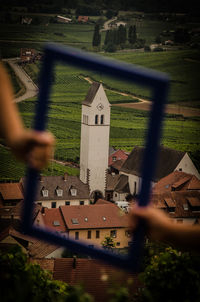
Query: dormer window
x=59 y=192
x=114 y=158
x=45 y=192
x=73 y=191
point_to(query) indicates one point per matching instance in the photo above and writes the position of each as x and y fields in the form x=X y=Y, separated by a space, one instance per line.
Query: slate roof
x=122 y=185
x=91 y=94
x=111 y=181
x=177 y=200
x=177 y=181
x=168 y=159
x=11 y=191
x=51 y=183
x=94 y=216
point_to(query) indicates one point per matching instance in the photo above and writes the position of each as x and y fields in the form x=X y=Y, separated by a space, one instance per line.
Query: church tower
x=95 y=129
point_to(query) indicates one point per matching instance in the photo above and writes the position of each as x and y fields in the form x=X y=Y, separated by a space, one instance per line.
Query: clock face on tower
x=100 y=107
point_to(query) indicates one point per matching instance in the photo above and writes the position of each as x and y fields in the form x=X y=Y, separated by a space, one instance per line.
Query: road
x=31 y=88
x=106 y=24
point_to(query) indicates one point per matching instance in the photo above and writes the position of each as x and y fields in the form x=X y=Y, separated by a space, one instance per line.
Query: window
x=113 y=233
x=96 y=119
x=89 y=235
x=76 y=235
x=185 y=207
x=73 y=191
x=180 y=169
x=53 y=204
x=104 y=218
x=102 y=119
x=74 y=220
x=67 y=203
x=56 y=223
x=45 y=193
x=127 y=233
x=86 y=219
x=97 y=234
x=81 y=203
x=114 y=158
x=118 y=243
x=59 y=192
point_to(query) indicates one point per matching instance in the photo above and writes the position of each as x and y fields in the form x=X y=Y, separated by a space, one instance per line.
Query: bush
x=171 y=276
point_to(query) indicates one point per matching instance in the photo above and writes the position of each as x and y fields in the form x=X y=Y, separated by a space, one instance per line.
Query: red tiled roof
x=183 y=202
x=96 y=277
x=41 y=249
x=177 y=180
x=46 y=264
x=94 y=216
x=10 y=191
x=119 y=155
x=54 y=220
x=10 y=231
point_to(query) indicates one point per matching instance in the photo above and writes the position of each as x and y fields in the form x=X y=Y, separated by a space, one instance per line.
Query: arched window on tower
x=96 y=119
x=102 y=119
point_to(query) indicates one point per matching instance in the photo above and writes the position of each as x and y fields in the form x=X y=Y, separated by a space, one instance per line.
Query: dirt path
x=31 y=88
x=146 y=105
x=106 y=24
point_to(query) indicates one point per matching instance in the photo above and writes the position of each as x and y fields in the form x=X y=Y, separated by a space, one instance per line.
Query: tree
x=171 y=276
x=122 y=34
x=97 y=36
x=132 y=36
x=22 y=281
x=108 y=243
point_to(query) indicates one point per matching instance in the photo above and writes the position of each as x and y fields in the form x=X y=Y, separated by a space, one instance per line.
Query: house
x=181 y=206
x=89 y=223
x=83 y=19
x=116 y=160
x=26 y=20
x=33 y=247
x=27 y=55
x=55 y=191
x=96 y=277
x=62 y=19
x=177 y=181
x=10 y=194
x=169 y=160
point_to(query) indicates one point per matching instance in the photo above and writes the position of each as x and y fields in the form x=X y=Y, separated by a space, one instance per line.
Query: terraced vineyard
x=128 y=126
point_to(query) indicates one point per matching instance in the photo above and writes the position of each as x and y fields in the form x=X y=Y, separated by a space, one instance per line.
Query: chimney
x=74 y=262
x=65 y=176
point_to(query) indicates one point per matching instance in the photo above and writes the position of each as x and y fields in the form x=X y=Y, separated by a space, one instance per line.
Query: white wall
x=186 y=165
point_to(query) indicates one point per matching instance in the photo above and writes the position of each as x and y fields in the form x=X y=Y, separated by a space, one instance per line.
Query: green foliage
x=132 y=36
x=97 y=36
x=108 y=243
x=171 y=276
x=22 y=281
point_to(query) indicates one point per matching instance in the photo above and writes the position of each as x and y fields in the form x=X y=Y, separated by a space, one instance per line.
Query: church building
x=95 y=129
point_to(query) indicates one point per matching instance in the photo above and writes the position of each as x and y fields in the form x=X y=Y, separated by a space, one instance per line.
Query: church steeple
x=95 y=128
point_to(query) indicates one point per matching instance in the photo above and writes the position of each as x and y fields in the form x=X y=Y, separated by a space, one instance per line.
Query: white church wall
x=95 y=130
x=186 y=165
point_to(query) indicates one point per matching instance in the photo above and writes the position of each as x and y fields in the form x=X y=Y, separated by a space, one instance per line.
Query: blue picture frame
x=158 y=83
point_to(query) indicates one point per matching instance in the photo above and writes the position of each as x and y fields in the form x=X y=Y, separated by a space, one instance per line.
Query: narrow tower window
x=102 y=119
x=96 y=119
